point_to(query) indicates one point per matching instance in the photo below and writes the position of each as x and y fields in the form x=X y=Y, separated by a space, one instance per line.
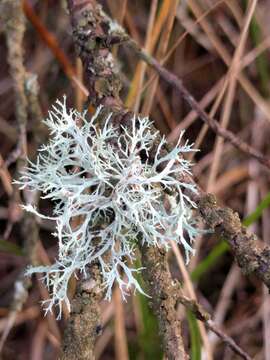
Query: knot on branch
x=224 y=220
x=194 y=307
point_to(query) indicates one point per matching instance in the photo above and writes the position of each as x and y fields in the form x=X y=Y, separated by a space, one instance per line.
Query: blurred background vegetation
x=196 y=40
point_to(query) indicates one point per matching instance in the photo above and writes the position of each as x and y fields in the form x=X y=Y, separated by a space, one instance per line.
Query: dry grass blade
x=222 y=51
x=232 y=81
x=169 y=14
x=178 y=41
x=134 y=96
x=52 y=43
x=120 y=340
x=188 y=287
x=5 y=177
x=38 y=342
x=224 y=301
x=177 y=83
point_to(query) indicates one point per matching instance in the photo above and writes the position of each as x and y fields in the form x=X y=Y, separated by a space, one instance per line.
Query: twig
x=202 y=315
x=164 y=297
x=48 y=38
x=166 y=293
x=34 y=109
x=13 y=19
x=93 y=41
x=265 y=298
x=52 y=43
x=213 y=124
x=250 y=256
x=103 y=83
x=19 y=298
x=30 y=313
x=84 y=323
x=227 y=340
x=172 y=79
x=12 y=16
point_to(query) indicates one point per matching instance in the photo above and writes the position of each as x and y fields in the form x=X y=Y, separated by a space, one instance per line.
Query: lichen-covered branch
x=104 y=37
x=251 y=255
x=94 y=34
x=164 y=294
x=93 y=43
x=84 y=324
x=103 y=85
x=91 y=32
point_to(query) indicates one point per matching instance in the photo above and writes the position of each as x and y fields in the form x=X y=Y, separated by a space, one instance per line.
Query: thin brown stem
x=212 y=123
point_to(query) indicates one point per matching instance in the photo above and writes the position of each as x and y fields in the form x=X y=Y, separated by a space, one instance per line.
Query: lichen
x=106 y=196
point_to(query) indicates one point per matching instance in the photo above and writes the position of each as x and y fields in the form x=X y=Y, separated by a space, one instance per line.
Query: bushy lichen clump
x=106 y=196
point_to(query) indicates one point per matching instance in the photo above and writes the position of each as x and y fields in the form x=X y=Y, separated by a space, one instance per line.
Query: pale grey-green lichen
x=106 y=197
